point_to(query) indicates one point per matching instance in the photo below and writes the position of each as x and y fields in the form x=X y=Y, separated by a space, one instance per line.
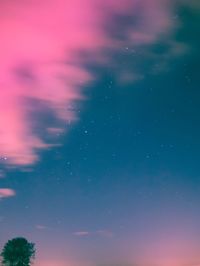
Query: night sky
x=99 y=130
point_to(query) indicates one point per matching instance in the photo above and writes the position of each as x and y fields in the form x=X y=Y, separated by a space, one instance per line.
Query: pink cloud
x=6 y=193
x=44 y=46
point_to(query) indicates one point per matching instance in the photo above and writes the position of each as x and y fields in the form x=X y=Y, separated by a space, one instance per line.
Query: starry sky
x=99 y=130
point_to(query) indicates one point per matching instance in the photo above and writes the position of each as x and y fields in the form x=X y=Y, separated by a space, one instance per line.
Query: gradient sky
x=99 y=130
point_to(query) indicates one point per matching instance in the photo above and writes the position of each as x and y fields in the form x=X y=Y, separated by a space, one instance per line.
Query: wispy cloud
x=41 y=227
x=102 y=233
x=44 y=48
x=81 y=233
x=6 y=193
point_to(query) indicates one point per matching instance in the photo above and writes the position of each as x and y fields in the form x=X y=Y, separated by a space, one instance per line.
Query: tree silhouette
x=18 y=252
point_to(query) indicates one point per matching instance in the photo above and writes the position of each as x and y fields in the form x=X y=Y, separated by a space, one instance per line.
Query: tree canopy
x=18 y=252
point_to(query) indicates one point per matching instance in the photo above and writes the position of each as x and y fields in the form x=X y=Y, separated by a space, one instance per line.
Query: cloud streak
x=101 y=233
x=6 y=193
x=45 y=46
x=81 y=233
x=41 y=227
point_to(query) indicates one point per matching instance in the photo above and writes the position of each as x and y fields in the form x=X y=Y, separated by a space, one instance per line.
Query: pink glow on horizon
x=170 y=245
x=40 y=60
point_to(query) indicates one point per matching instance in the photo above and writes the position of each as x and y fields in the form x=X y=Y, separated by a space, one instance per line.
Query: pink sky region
x=42 y=63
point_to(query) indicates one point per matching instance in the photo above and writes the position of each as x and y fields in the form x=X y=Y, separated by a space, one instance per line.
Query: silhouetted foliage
x=18 y=252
